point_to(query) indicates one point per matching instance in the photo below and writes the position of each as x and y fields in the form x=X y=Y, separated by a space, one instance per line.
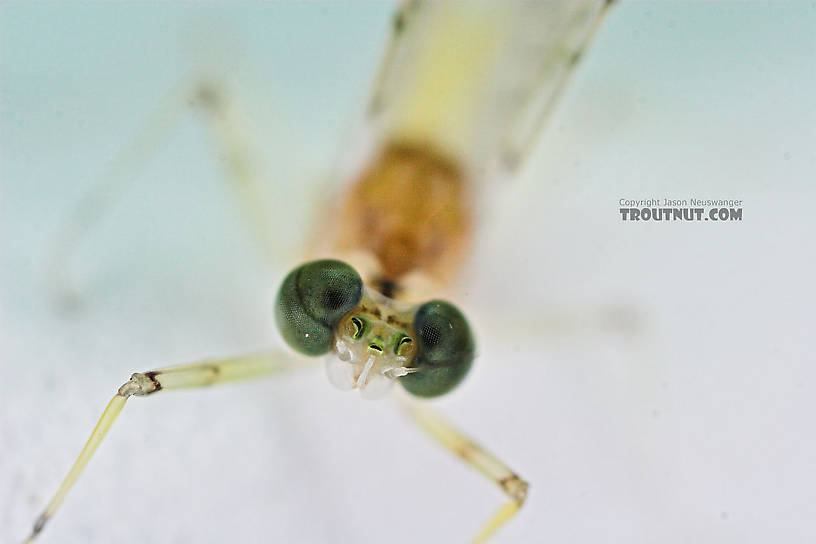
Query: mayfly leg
x=232 y=140
x=233 y=146
x=102 y=196
x=201 y=374
x=477 y=457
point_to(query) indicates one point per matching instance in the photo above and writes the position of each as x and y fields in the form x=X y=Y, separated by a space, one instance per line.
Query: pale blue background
x=691 y=423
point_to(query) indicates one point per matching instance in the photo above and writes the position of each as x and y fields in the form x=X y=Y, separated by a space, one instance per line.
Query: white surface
x=695 y=426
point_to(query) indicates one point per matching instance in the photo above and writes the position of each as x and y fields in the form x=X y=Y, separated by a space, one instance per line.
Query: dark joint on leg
x=399 y=22
x=38 y=525
x=156 y=386
x=209 y=95
x=515 y=487
x=141 y=384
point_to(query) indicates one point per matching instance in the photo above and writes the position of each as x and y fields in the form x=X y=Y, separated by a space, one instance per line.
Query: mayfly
x=460 y=96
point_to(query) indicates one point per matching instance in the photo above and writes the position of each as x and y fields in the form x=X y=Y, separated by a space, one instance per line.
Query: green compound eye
x=445 y=350
x=312 y=300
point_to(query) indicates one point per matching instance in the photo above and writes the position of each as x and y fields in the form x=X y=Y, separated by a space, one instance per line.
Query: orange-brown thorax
x=409 y=210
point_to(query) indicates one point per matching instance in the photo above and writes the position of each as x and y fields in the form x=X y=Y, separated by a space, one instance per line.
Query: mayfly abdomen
x=461 y=93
